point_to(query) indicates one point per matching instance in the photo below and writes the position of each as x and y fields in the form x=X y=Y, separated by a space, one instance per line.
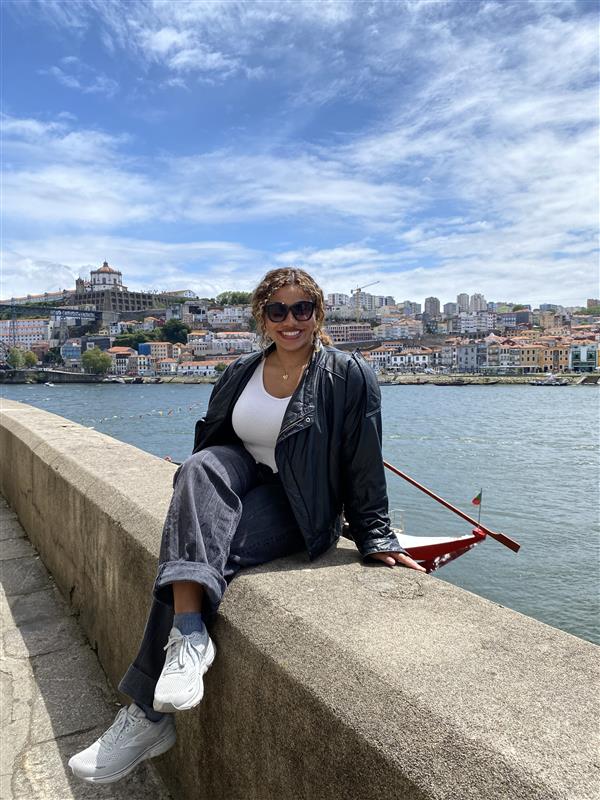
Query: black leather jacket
x=328 y=452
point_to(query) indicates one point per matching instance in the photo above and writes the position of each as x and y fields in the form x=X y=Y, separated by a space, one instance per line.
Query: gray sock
x=153 y=716
x=188 y=622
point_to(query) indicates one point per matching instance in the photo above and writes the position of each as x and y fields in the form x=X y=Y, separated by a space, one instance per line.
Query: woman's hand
x=391 y=559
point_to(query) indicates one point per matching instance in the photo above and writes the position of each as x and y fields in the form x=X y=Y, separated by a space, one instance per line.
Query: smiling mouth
x=290 y=334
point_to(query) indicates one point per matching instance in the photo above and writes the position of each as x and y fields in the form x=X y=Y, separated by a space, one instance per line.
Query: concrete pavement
x=55 y=697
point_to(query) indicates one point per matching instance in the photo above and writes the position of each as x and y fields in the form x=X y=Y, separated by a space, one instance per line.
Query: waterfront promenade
x=55 y=696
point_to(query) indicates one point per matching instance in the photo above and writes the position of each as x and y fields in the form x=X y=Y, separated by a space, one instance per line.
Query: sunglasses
x=302 y=311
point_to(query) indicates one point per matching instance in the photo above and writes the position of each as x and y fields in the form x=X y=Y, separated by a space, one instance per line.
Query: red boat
x=433 y=552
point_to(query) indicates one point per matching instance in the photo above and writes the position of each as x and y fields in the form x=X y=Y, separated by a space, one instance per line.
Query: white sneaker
x=130 y=740
x=180 y=686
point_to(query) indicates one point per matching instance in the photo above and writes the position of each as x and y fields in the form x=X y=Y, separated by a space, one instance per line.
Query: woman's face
x=291 y=335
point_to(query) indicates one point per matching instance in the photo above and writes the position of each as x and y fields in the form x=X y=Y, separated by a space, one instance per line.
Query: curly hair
x=288 y=276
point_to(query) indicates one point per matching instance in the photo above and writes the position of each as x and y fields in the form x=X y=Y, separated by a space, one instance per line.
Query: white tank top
x=257 y=418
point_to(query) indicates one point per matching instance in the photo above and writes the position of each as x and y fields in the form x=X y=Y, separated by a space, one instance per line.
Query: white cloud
x=207 y=267
x=480 y=167
x=75 y=74
x=22 y=275
x=77 y=196
x=32 y=143
x=71 y=178
x=568 y=281
x=165 y=40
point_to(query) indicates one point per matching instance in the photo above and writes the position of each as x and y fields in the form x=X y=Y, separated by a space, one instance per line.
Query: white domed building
x=106 y=277
x=105 y=292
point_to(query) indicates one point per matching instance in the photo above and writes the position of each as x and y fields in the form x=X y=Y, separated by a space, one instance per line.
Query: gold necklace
x=286 y=374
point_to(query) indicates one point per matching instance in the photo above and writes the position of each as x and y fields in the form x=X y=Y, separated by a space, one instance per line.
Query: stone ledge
x=333 y=679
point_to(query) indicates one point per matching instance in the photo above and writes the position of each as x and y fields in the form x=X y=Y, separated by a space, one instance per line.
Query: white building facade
x=26 y=332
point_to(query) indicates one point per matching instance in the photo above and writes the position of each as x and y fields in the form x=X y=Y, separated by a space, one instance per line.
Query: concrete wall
x=334 y=680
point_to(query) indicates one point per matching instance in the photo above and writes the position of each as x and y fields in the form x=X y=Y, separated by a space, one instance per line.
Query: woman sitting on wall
x=291 y=439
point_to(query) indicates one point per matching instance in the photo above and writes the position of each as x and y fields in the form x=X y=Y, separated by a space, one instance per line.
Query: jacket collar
x=299 y=413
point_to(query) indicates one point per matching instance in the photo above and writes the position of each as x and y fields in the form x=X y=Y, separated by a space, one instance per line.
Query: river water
x=533 y=450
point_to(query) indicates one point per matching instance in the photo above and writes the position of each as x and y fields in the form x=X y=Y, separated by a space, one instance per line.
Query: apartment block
x=160 y=350
x=24 y=332
x=350 y=332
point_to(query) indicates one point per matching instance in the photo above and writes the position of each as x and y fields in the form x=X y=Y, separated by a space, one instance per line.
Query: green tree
x=132 y=339
x=520 y=308
x=234 y=298
x=220 y=367
x=593 y=310
x=174 y=331
x=31 y=359
x=16 y=358
x=96 y=361
x=53 y=356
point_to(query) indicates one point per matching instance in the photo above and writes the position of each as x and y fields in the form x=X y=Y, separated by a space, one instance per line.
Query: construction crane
x=356 y=292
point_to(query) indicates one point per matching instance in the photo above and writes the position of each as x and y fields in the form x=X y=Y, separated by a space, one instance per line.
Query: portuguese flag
x=477 y=500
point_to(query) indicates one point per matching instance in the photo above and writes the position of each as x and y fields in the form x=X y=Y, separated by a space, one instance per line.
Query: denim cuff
x=137 y=685
x=214 y=584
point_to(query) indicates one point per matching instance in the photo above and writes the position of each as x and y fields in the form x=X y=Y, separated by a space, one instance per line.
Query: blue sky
x=435 y=147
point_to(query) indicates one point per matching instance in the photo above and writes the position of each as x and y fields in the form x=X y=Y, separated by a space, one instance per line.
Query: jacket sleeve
x=200 y=427
x=363 y=481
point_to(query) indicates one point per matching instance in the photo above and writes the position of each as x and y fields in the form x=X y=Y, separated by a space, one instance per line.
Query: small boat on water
x=48 y=383
x=550 y=380
x=457 y=382
x=113 y=380
x=435 y=551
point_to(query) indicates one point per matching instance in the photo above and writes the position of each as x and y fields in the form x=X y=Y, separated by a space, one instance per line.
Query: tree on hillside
x=31 y=359
x=234 y=298
x=175 y=331
x=133 y=339
x=220 y=367
x=53 y=356
x=592 y=310
x=96 y=361
x=16 y=358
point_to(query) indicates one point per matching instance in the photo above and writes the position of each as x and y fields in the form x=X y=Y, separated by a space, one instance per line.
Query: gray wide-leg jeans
x=227 y=512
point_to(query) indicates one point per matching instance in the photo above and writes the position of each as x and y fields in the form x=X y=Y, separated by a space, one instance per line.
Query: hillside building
x=462 y=301
x=105 y=291
x=432 y=306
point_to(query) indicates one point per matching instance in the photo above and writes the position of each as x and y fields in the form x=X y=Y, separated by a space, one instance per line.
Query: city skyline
x=432 y=147
x=469 y=295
